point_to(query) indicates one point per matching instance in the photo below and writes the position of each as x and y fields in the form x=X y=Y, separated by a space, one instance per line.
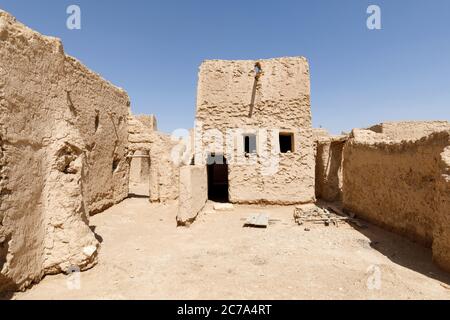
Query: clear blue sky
x=359 y=77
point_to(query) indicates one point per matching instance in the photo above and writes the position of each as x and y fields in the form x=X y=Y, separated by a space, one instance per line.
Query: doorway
x=139 y=175
x=217 y=178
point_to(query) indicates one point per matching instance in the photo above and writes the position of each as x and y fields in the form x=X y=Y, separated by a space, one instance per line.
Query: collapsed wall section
x=63 y=134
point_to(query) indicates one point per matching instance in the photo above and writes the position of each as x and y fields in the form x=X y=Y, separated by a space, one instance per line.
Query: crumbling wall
x=148 y=120
x=329 y=176
x=193 y=191
x=441 y=244
x=63 y=156
x=410 y=130
x=400 y=185
x=164 y=171
x=319 y=133
x=140 y=135
x=99 y=111
x=235 y=95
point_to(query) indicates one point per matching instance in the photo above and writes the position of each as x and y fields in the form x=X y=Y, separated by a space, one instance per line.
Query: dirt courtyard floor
x=145 y=256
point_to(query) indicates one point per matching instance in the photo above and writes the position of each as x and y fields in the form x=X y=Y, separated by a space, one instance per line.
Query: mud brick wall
x=402 y=186
x=231 y=96
x=63 y=134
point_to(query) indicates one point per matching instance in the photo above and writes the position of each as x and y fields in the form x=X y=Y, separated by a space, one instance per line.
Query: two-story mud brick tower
x=254 y=119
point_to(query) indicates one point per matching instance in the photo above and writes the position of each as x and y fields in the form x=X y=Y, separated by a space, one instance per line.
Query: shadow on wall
x=329 y=179
x=10 y=288
x=7 y=286
x=97 y=236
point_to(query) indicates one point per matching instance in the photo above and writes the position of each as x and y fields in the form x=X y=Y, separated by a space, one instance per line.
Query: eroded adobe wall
x=441 y=244
x=165 y=174
x=101 y=112
x=230 y=96
x=163 y=171
x=410 y=130
x=63 y=136
x=148 y=120
x=329 y=175
x=399 y=185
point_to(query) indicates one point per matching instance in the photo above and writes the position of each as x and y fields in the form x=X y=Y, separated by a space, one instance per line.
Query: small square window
x=250 y=143
x=286 y=142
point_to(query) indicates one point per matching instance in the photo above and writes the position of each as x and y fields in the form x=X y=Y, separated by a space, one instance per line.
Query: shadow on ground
x=138 y=196
x=400 y=250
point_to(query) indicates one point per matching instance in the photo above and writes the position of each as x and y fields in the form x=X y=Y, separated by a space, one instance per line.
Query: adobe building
x=253 y=130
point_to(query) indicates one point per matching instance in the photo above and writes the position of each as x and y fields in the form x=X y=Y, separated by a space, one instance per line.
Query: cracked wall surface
x=63 y=134
x=234 y=95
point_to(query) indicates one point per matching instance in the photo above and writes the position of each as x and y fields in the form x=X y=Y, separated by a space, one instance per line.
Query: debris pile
x=317 y=215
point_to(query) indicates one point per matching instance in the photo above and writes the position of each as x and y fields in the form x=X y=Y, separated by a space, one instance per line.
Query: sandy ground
x=144 y=256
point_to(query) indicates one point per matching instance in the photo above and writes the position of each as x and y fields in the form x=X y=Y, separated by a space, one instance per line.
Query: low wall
x=193 y=193
x=400 y=186
x=410 y=130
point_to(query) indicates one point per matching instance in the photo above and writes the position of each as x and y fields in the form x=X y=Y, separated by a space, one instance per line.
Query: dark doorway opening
x=217 y=178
